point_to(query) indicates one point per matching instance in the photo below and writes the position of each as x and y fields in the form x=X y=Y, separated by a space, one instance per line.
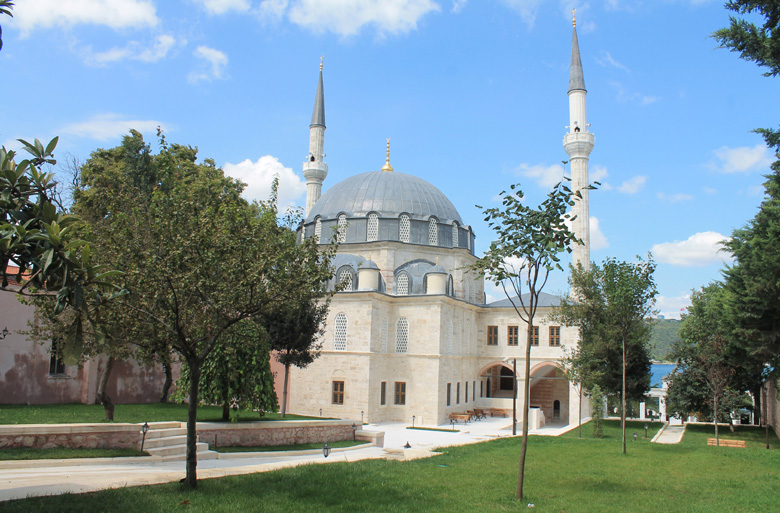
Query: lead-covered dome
x=388 y=194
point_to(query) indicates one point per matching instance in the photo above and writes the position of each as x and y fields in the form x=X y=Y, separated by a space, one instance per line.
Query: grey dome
x=389 y=194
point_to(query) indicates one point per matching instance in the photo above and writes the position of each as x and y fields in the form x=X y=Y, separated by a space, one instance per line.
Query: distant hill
x=665 y=333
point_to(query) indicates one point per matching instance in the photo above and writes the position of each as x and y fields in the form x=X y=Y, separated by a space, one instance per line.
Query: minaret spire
x=387 y=166
x=315 y=169
x=578 y=143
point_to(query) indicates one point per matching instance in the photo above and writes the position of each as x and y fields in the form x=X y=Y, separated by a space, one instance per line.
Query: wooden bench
x=478 y=413
x=726 y=443
x=460 y=417
x=499 y=412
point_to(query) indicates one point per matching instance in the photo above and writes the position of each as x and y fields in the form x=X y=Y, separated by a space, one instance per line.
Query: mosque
x=410 y=338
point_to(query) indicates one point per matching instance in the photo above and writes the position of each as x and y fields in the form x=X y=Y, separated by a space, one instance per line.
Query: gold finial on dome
x=574 y=17
x=321 y=58
x=387 y=166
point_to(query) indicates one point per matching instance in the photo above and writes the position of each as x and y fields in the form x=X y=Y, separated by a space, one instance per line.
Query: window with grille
x=511 y=335
x=400 y=392
x=372 y=230
x=449 y=394
x=402 y=285
x=345 y=278
x=318 y=229
x=492 y=336
x=535 y=335
x=384 y=336
x=404 y=228
x=382 y=393
x=56 y=363
x=338 y=392
x=455 y=235
x=340 y=333
x=402 y=335
x=342 y=229
x=555 y=336
x=466 y=392
x=457 y=393
x=433 y=232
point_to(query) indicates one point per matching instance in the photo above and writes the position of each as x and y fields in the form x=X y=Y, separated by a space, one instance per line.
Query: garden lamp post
x=144 y=430
x=514 y=393
x=413 y=417
x=354 y=432
x=5 y=333
x=326 y=450
x=361 y=416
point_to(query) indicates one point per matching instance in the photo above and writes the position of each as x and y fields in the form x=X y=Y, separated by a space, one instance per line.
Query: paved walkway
x=20 y=479
x=670 y=435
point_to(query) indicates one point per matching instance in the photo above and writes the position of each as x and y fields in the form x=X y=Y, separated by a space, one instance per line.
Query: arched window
x=372 y=230
x=383 y=348
x=450 y=287
x=433 y=232
x=340 y=333
x=404 y=228
x=317 y=229
x=402 y=284
x=342 y=229
x=455 y=235
x=346 y=278
x=402 y=335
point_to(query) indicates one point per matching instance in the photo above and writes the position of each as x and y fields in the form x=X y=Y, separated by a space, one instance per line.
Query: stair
x=168 y=440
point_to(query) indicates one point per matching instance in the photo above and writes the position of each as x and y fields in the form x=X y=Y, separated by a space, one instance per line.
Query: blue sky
x=472 y=93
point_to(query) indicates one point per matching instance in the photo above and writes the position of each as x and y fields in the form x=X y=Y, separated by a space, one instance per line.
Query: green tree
x=526 y=249
x=5 y=8
x=197 y=258
x=597 y=410
x=611 y=304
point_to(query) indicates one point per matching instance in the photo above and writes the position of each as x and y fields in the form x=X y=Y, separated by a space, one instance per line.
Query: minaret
x=315 y=169
x=578 y=143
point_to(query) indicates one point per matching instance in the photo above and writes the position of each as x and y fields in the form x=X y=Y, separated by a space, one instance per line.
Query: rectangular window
x=555 y=336
x=482 y=389
x=492 y=336
x=56 y=364
x=511 y=335
x=535 y=335
x=457 y=394
x=400 y=392
x=474 y=391
x=338 y=392
x=449 y=394
x=466 y=392
x=383 y=393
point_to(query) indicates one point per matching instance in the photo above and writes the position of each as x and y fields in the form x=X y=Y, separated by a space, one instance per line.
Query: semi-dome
x=386 y=193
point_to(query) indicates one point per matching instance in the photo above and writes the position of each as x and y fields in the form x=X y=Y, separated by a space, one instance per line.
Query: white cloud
x=117 y=14
x=545 y=176
x=624 y=96
x=105 y=127
x=672 y=307
x=674 y=198
x=527 y=9
x=133 y=51
x=597 y=238
x=223 y=6
x=217 y=61
x=457 y=5
x=348 y=17
x=598 y=174
x=709 y=190
x=259 y=177
x=742 y=159
x=632 y=185
x=699 y=250
x=606 y=59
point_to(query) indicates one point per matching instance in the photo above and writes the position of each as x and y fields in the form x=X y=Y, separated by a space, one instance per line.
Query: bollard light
x=452 y=424
x=407 y=446
x=361 y=416
x=354 y=432
x=326 y=450
x=413 y=417
x=645 y=430
x=635 y=436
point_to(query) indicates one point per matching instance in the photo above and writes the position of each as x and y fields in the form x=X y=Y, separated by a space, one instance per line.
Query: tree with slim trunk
x=526 y=249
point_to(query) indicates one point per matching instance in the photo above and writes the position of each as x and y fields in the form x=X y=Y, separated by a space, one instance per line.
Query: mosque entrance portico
x=550 y=393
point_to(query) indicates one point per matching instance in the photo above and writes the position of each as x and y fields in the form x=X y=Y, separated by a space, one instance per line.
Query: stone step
x=153 y=443
x=176 y=449
x=166 y=432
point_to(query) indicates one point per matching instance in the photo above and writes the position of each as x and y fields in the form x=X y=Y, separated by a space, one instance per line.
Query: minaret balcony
x=315 y=170
x=578 y=144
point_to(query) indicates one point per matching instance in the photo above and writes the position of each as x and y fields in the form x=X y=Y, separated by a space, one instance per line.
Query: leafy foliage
x=664 y=334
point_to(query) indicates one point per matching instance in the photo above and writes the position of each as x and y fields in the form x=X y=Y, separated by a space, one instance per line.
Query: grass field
x=564 y=474
x=134 y=413
x=63 y=453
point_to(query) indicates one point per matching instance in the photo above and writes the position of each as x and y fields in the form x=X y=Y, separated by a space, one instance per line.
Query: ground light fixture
x=413 y=417
x=635 y=436
x=5 y=333
x=645 y=429
x=452 y=424
x=326 y=450
x=354 y=432
x=361 y=416
x=407 y=446
x=144 y=430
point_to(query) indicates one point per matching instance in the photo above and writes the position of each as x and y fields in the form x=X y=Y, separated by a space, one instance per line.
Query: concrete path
x=20 y=479
x=670 y=435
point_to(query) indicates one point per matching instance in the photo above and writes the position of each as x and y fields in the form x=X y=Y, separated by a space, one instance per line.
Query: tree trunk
x=225 y=410
x=526 y=404
x=191 y=477
x=102 y=395
x=166 y=389
x=579 y=421
x=715 y=408
x=284 y=389
x=623 y=398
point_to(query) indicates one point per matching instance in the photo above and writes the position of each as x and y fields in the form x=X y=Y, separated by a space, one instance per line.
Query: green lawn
x=63 y=453
x=564 y=474
x=295 y=447
x=134 y=413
